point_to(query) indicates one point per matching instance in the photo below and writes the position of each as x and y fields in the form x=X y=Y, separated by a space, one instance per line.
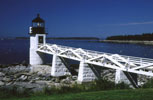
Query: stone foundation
x=58 y=67
x=127 y=78
x=85 y=74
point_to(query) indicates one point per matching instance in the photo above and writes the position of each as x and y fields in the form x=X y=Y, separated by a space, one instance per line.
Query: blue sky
x=77 y=18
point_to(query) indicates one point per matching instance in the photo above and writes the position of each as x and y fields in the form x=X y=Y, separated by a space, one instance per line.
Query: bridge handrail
x=131 y=58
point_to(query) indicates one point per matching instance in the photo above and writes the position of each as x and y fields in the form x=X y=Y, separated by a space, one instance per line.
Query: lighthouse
x=37 y=36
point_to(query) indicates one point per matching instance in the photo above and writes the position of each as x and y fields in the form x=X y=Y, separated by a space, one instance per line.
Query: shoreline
x=130 y=42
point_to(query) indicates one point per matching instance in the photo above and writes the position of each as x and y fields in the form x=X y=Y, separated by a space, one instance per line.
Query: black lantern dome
x=38 y=19
x=38 y=26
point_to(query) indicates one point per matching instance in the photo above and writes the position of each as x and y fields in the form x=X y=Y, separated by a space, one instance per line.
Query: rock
x=26 y=85
x=69 y=78
x=21 y=73
x=29 y=78
x=32 y=81
x=5 y=70
x=73 y=82
x=47 y=77
x=37 y=78
x=30 y=86
x=1 y=78
x=53 y=79
x=23 y=78
x=38 y=89
x=74 y=77
x=57 y=80
x=16 y=69
x=9 y=83
x=2 y=74
x=6 y=79
x=41 y=69
x=1 y=83
x=41 y=82
x=65 y=81
x=57 y=84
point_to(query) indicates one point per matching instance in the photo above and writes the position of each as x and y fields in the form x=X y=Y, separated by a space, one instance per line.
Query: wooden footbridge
x=127 y=67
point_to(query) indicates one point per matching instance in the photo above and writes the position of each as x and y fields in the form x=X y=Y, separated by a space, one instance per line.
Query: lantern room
x=38 y=26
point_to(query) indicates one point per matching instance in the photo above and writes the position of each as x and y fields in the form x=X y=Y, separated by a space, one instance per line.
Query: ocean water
x=17 y=51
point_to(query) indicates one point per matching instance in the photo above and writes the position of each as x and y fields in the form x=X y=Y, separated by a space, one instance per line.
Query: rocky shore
x=23 y=77
x=130 y=41
x=39 y=77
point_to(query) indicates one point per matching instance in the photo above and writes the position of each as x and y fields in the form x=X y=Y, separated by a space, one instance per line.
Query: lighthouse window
x=38 y=24
x=34 y=24
x=41 y=39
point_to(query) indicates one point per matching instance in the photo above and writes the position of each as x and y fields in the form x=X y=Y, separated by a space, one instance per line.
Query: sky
x=77 y=18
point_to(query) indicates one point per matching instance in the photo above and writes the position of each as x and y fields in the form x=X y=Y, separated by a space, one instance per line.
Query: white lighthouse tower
x=37 y=36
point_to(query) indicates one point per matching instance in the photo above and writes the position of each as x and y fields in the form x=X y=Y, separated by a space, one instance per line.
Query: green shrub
x=96 y=85
x=148 y=84
x=103 y=84
x=49 y=91
x=13 y=92
x=122 y=85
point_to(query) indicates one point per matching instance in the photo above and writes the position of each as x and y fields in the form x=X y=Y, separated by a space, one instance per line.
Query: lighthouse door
x=41 y=39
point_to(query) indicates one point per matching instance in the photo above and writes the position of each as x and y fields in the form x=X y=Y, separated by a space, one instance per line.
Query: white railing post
x=141 y=62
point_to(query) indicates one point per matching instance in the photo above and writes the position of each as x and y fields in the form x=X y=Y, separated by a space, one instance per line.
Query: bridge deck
x=132 y=64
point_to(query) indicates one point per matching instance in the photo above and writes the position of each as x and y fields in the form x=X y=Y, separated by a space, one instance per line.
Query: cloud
x=137 y=23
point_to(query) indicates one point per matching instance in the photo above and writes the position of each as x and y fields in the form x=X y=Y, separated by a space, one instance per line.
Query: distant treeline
x=75 y=38
x=142 y=37
x=22 y=38
x=66 y=38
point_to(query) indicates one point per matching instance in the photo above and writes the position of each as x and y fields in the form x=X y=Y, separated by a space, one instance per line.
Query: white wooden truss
x=136 y=65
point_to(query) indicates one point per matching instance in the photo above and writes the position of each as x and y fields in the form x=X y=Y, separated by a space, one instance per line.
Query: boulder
x=74 y=77
x=23 y=78
x=1 y=78
x=26 y=85
x=57 y=85
x=5 y=70
x=2 y=74
x=37 y=78
x=57 y=80
x=9 y=83
x=47 y=77
x=53 y=79
x=32 y=81
x=1 y=83
x=18 y=68
x=6 y=79
x=41 y=69
x=42 y=82
x=65 y=81
x=38 y=89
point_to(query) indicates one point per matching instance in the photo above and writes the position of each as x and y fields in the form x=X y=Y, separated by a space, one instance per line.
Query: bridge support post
x=120 y=77
x=58 y=67
x=126 y=77
x=85 y=74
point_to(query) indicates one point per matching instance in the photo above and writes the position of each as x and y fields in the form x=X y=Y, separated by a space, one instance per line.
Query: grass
x=138 y=94
x=75 y=88
x=96 y=90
